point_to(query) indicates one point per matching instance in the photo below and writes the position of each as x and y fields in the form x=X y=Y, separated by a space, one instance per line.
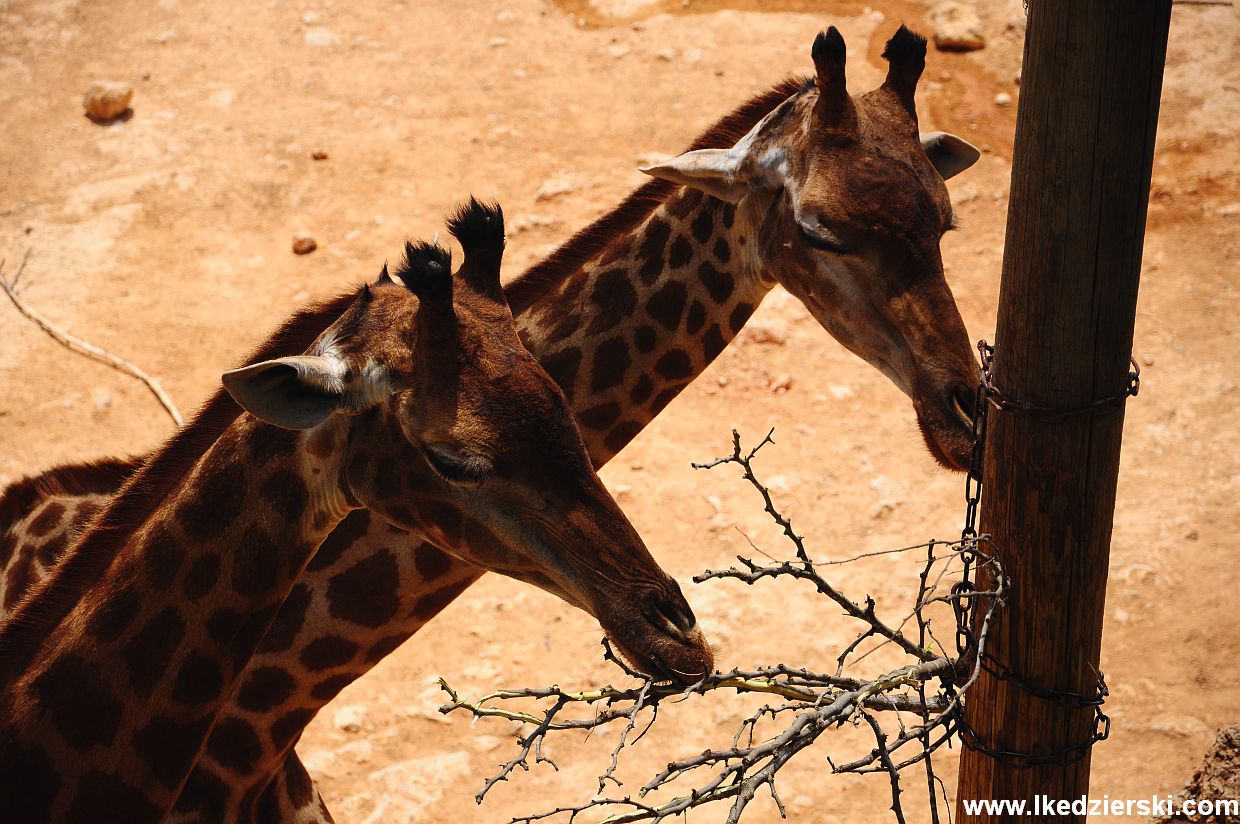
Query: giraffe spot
x=728 y=213
x=431 y=561
x=201 y=576
x=169 y=746
x=288 y=622
x=47 y=519
x=234 y=745
x=667 y=305
x=739 y=315
x=299 y=787
x=53 y=548
x=216 y=504
x=600 y=417
x=198 y=681
x=103 y=796
x=674 y=364
x=366 y=593
x=614 y=252
x=31 y=782
x=613 y=297
x=327 y=652
x=680 y=253
x=722 y=252
x=641 y=390
x=19 y=579
x=644 y=338
x=680 y=207
x=162 y=556
x=222 y=625
x=346 y=533
x=619 y=437
x=429 y=605
x=565 y=326
x=703 y=226
x=443 y=517
x=265 y=689
x=696 y=319
x=387 y=476
x=665 y=397
x=653 y=244
x=713 y=342
x=268 y=443
x=255 y=563
x=147 y=654
x=115 y=614
x=251 y=632
x=203 y=798
x=718 y=284
x=286 y=492
x=85 y=513
x=611 y=361
x=562 y=367
x=328 y=688
x=286 y=728
x=80 y=706
x=8 y=543
x=384 y=647
x=321 y=444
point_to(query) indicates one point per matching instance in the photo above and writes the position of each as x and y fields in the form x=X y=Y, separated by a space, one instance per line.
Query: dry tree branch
x=76 y=344
x=810 y=702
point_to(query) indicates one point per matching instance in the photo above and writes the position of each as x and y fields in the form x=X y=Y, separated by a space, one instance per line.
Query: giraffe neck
x=637 y=323
x=131 y=681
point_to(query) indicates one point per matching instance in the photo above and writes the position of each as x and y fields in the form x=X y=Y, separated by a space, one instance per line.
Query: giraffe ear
x=949 y=154
x=292 y=393
x=721 y=173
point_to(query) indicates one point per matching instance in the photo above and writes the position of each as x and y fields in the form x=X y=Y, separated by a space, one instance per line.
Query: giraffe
x=624 y=316
x=419 y=405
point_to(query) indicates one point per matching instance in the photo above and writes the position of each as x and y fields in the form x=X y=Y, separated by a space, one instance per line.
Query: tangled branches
x=928 y=690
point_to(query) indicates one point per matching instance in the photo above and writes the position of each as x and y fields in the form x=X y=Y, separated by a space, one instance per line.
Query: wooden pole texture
x=1080 y=184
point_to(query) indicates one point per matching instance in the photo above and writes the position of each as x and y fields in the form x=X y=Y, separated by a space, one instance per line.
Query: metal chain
x=965 y=605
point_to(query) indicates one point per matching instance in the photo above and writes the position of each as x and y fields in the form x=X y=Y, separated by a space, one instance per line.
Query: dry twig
x=76 y=344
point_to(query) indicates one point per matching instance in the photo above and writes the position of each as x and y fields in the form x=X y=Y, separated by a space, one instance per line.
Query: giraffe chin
x=684 y=658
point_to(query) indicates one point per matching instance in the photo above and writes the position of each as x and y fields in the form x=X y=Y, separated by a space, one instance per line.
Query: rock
x=304 y=243
x=107 y=101
x=1217 y=778
x=780 y=384
x=498 y=42
x=320 y=764
x=1003 y=100
x=349 y=718
x=318 y=154
x=618 y=50
x=765 y=335
x=558 y=184
x=666 y=55
x=407 y=790
x=320 y=36
x=102 y=399
x=524 y=223
x=956 y=27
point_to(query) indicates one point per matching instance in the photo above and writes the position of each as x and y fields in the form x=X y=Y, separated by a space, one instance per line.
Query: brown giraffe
x=667 y=276
x=418 y=404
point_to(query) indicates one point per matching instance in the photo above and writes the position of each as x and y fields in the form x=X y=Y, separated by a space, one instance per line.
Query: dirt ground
x=166 y=238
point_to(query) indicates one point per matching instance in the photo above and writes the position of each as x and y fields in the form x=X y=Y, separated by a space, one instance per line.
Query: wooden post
x=1080 y=184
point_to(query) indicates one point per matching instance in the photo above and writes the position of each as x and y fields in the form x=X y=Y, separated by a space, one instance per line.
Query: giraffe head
x=848 y=205
x=437 y=419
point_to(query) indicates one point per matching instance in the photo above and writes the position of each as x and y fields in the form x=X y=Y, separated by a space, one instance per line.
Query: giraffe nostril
x=672 y=614
x=962 y=400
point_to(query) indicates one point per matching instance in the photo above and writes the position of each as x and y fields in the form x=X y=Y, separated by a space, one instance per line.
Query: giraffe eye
x=457 y=469
x=822 y=238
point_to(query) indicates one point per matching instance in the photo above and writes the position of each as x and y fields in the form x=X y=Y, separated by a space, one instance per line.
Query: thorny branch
x=82 y=347
x=927 y=692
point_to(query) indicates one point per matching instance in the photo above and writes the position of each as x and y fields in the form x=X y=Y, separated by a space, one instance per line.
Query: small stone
x=350 y=718
x=525 y=222
x=1003 y=100
x=556 y=185
x=309 y=18
x=497 y=42
x=320 y=36
x=318 y=154
x=102 y=399
x=765 y=335
x=304 y=243
x=107 y=100
x=618 y=50
x=666 y=55
x=505 y=16
x=956 y=27
x=780 y=383
x=1016 y=77
x=1147 y=360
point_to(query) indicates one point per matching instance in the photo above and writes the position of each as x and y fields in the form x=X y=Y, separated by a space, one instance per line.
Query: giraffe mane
x=99 y=477
x=593 y=239
x=45 y=606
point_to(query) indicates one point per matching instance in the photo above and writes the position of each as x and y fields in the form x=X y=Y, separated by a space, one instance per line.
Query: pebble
x=497 y=42
x=556 y=185
x=304 y=243
x=956 y=27
x=780 y=383
x=107 y=100
x=349 y=718
x=1003 y=100
x=318 y=154
x=765 y=335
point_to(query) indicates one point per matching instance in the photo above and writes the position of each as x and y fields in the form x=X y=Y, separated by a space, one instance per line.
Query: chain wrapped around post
x=989 y=396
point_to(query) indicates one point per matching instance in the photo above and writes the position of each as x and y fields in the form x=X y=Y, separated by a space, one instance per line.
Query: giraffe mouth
x=664 y=641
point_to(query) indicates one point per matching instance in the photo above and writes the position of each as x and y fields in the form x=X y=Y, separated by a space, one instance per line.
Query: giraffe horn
x=479 y=228
x=905 y=54
x=427 y=270
x=830 y=54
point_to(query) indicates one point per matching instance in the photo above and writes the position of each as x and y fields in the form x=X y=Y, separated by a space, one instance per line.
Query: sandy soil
x=166 y=238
